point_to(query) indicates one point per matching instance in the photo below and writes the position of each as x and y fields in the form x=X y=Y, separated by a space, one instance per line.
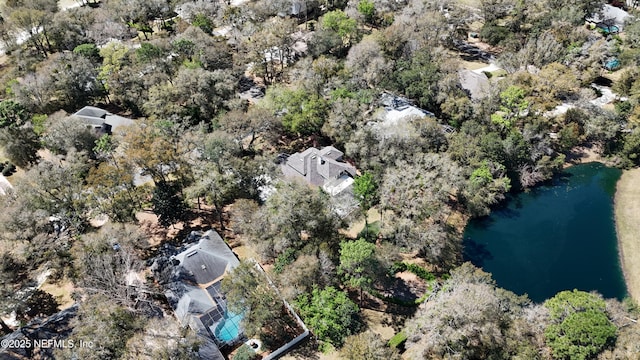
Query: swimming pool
x=609 y=29
x=229 y=328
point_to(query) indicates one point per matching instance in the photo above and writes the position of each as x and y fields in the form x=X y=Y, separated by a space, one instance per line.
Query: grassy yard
x=61 y=291
x=627 y=212
x=357 y=226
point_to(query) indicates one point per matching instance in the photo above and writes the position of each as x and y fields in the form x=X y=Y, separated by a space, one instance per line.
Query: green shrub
x=422 y=298
x=421 y=272
x=368 y=10
x=330 y=314
x=9 y=170
x=38 y=121
x=90 y=51
x=494 y=34
x=245 y=353
x=623 y=108
x=284 y=259
x=398 y=267
x=370 y=231
x=402 y=302
x=569 y=136
x=203 y=22
x=398 y=340
x=579 y=325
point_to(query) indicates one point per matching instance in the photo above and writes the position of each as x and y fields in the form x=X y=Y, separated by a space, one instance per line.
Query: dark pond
x=553 y=238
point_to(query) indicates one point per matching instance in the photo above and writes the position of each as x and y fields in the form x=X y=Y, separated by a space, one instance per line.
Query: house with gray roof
x=317 y=167
x=326 y=169
x=611 y=16
x=194 y=292
x=395 y=113
x=101 y=120
x=476 y=84
x=191 y=276
x=396 y=108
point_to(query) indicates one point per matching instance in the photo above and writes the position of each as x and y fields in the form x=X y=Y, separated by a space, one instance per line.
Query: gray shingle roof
x=208 y=259
x=477 y=84
x=331 y=153
x=91 y=112
x=194 y=302
x=317 y=166
x=195 y=306
x=209 y=350
x=102 y=119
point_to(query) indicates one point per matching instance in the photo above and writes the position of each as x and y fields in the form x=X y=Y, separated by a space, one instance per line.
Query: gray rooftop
x=611 y=14
x=194 y=288
x=317 y=167
x=477 y=84
x=195 y=302
x=395 y=110
x=101 y=119
x=208 y=259
x=92 y=112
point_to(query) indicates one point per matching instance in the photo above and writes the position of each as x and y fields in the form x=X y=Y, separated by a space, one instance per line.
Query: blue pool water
x=229 y=329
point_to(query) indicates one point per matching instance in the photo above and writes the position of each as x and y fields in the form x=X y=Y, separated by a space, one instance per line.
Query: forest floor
x=627 y=213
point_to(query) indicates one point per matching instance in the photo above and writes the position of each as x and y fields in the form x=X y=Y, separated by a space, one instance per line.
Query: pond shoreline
x=627 y=219
x=583 y=154
x=559 y=236
x=626 y=216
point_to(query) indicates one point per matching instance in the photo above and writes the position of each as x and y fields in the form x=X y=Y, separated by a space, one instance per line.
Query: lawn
x=627 y=213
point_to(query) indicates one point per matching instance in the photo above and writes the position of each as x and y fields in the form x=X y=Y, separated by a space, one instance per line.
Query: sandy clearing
x=627 y=215
x=584 y=154
x=358 y=225
x=61 y=291
x=490 y=68
x=380 y=323
x=472 y=65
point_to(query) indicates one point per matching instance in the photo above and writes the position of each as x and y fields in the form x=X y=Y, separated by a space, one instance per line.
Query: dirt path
x=627 y=213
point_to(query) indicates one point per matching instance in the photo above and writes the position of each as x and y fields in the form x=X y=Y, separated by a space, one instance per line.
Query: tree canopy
x=330 y=314
x=580 y=327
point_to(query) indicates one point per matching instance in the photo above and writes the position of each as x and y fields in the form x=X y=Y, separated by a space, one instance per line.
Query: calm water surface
x=553 y=238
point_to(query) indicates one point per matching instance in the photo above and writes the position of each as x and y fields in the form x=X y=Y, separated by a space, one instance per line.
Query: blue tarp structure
x=612 y=64
x=608 y=29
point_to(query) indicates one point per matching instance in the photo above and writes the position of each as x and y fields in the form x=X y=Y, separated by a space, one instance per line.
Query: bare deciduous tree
x=115 y=275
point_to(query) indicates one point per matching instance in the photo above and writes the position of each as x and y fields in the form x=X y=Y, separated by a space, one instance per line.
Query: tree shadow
x=306 y=349
x=406 y=291
x=396 y=316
